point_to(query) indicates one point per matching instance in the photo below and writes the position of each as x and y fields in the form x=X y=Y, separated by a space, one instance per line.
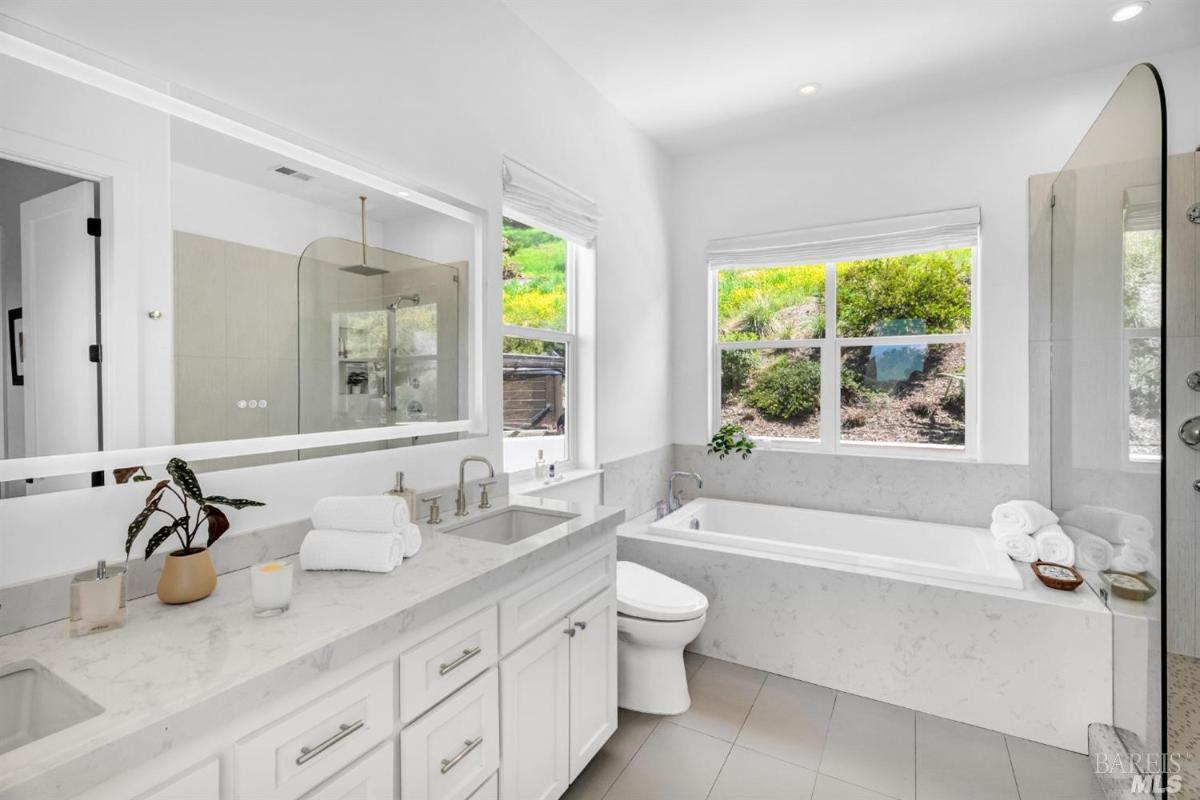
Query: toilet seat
x=645 y=594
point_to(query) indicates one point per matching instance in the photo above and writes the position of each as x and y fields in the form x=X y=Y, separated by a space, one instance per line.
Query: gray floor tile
x=789 y=721
x=692 y=663
x=675 y=763
x=871 y=744
x=722 y=694
x=633 y=728
x=1047 y=773
x=828 y=788
x=956 y=760
x=748 y=775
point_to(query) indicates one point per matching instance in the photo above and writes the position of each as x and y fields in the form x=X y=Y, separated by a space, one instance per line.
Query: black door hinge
x=93 y=226
x=94 y=353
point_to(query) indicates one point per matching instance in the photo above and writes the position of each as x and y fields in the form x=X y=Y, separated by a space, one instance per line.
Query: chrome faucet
x=460 y=504
x=674 y=501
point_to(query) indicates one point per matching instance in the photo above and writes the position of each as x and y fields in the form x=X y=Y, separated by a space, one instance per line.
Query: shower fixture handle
x=1189 y=432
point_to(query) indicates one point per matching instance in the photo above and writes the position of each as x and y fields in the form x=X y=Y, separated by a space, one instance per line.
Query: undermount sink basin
x=35 y=702
x=508 y=526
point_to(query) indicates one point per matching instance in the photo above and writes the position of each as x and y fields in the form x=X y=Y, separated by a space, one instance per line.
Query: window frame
x=830 y=347
x=568 y=338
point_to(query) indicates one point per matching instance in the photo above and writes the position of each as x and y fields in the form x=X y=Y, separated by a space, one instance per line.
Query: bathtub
x=925 y=616
x=898 y=546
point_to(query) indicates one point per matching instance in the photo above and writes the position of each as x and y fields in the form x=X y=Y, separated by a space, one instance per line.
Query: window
x=854 y=353
x=1141 y=278
x=539 y=342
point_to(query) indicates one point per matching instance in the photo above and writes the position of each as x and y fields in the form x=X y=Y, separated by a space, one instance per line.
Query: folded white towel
x=1017 y=546
x=1091 y=552
x=383 y=513
x=1110 y=524
x=411 y=534
x=1134 y=557
x=354 y=550
x=1055 y=546
x=1022 y=516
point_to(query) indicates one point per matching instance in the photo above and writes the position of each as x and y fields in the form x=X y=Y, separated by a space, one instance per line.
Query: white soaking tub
x=919 y=549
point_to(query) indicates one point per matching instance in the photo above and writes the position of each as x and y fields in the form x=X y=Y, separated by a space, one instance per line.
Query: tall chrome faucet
x=674 y=501
x=460 y=504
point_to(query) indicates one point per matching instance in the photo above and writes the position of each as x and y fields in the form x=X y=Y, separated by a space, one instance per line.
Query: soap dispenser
x=97 y=600
x=409 y=495
x=539 y=467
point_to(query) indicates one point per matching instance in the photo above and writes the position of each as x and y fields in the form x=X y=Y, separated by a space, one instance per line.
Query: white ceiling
x=694 y=73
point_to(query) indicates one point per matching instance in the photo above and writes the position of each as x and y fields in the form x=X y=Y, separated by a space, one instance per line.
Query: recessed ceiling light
x=809 y=89
x=1126 y=13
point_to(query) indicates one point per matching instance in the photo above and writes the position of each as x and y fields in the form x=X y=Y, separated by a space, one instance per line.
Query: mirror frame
x=170 y=101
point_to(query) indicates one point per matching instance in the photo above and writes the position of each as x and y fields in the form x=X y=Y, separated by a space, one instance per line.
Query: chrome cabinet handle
x=466 y=656
x=570 y=631
x=344 y=730
x=581 y=625
x=470 y=744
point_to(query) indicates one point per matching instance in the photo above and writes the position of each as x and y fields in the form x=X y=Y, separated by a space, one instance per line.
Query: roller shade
x=1143 y=208
x=538 y=200
x=942 y=230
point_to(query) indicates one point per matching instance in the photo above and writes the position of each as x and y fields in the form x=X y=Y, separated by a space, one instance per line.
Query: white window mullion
x=831 y=375
x=538 y=334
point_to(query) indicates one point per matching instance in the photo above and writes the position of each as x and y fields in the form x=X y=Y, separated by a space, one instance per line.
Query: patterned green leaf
x=156 y=491
x=234 y=502
x=183 y=476
x=139 y=522
x=163 y=533
x=218 y=523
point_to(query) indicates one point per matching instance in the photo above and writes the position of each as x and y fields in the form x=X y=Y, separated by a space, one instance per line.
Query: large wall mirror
x=174 y=282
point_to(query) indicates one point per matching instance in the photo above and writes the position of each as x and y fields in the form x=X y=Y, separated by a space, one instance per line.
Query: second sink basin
x=34 y=703
x=508 y=526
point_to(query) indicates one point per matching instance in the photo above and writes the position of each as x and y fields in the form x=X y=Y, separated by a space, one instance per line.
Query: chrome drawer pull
x=450 y=763
x=466 y=656
x=344 y=730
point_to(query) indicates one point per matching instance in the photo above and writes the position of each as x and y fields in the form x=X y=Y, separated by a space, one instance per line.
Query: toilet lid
x=647 y=594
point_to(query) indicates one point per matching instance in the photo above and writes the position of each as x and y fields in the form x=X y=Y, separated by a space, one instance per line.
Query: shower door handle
x=1189 y=432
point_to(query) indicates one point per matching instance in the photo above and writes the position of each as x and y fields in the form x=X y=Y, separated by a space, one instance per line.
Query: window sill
x=523 y=482
x=900 y=452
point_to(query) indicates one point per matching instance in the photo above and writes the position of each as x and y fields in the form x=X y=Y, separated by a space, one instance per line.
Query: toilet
x=656 y=617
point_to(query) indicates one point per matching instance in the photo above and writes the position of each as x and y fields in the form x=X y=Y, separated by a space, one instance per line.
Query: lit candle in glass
x=271 y=587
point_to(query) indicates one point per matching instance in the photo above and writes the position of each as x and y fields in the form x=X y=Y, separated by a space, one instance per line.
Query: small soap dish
x=1057 y=576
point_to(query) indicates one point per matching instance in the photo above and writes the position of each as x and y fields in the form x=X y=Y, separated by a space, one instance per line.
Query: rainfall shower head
x=364 y=270
x=361 y=268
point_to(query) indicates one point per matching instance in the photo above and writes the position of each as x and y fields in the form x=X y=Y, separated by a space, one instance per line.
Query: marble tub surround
x=955 y=492
x=36 y=602
x=638 y=482
x=193 y=667
x=1030 y=662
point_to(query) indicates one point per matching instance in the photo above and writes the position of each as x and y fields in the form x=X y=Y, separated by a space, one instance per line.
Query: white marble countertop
x=179 y=667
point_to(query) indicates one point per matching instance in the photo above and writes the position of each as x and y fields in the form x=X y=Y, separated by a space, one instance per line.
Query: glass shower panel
x=379 y=338
x=1103 y=342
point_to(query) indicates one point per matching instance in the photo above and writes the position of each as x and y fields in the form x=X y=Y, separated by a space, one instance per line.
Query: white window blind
x=538 y=200
x=942 y=230
x=1143 y=208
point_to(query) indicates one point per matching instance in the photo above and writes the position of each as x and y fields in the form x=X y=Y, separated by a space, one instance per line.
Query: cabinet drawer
x=441 y=664
x=529 y=611
x=373 y=777
x=450 y=751
x=291 y=756
x=489 y=791
x=200 y=783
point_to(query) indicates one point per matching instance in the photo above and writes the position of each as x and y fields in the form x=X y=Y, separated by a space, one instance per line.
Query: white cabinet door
x=201 y=783
x=449 y=752
x=535 y=697
x=593 y=678
x=372 y=777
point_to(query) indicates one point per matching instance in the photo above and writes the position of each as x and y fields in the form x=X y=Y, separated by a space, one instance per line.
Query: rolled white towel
x=1110 y=524
x=1134 y=557
x=1091 y=552
x=353 y=550
x=411 y=534
x=1055 y=546
x=380 y=513
x=1017 y=546
x=1022 y=516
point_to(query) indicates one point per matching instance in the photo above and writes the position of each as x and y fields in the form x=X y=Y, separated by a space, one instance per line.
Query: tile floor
x=750 y=735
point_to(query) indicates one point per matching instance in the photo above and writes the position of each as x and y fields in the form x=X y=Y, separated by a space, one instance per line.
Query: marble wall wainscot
x=1033 y=663
x=638 y=482
x=952 y=492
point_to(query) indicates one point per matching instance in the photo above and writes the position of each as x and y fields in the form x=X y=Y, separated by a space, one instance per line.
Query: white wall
x=973 y=151
x=437 y=93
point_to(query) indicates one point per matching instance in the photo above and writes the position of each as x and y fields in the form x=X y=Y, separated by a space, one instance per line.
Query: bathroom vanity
x=477 y=669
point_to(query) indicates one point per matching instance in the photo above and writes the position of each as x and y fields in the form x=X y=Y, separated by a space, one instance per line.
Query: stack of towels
x=1108 y=538
x=367 y=534
x=1028 y=531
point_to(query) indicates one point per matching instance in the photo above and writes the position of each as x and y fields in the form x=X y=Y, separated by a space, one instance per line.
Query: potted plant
x=730 y=439
x=188 y=573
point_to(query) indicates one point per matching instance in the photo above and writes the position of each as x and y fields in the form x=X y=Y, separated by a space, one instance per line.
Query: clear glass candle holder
x=271 y=587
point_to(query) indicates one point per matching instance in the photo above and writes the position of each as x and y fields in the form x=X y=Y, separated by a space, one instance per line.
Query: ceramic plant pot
x=187 y=576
